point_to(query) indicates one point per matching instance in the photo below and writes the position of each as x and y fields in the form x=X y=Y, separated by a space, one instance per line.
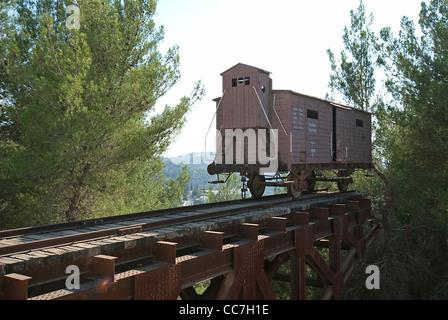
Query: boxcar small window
x=234 y=82
x=359 y=123
x=311 y=114
x=245 y=80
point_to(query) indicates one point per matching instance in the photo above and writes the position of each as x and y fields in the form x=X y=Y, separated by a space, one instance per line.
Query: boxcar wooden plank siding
x=311 y=131
x=240 y=106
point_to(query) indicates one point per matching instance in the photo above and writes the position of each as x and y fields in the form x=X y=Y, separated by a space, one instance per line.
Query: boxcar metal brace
x=317 y=139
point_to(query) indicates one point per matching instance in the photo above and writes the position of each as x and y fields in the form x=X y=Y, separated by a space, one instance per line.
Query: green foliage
x=81 y=136
x=419 y=149
x=197 y=171
x=353 y=76
x=411 y=141
x=418 y=80
x=231 y=190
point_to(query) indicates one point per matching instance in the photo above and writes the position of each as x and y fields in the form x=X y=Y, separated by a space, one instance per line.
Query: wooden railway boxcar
x=306 y=136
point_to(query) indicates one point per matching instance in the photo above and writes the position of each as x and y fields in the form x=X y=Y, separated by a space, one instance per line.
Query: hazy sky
x=286 y=37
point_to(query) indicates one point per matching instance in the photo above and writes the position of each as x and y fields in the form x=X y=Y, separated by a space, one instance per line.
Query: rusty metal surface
x=21 y=240
x=164 y=229
x=241 y=254
x=158 y=284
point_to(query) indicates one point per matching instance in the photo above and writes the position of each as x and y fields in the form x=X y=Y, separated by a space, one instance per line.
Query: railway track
x=25 y=239
x=163 y=254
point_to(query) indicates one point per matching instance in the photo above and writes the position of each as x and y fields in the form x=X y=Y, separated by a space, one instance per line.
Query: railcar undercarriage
x=298 y=180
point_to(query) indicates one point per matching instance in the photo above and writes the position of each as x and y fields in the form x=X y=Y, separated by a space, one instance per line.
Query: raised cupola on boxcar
x=245 y=102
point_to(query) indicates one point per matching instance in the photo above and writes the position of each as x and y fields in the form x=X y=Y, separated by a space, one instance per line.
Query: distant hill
x=196 y=163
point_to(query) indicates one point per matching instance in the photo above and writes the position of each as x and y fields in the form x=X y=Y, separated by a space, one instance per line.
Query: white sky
x=286 y=37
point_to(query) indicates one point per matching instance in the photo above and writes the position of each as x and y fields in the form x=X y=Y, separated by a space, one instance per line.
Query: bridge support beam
x=241 y=257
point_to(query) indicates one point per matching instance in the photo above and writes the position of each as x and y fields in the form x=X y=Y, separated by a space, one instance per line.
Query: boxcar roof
x=339 y=105
x=245 y=65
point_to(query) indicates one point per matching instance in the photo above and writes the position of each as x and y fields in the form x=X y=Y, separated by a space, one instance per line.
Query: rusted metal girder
x=239 y=259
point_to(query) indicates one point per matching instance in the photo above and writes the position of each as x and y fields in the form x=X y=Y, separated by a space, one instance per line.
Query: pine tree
x=353 y=75
x=418 y=80
x=354 y=78
x=412 y=254
x=82 y=137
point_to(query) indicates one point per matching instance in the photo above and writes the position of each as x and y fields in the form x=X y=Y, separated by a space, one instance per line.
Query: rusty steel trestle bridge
x=238 y=246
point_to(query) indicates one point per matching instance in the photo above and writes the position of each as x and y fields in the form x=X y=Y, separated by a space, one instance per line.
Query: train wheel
x=294 y=189
x=255 y=185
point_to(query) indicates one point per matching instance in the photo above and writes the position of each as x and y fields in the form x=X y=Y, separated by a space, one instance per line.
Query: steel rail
x=223 y=209
x=6 y=234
